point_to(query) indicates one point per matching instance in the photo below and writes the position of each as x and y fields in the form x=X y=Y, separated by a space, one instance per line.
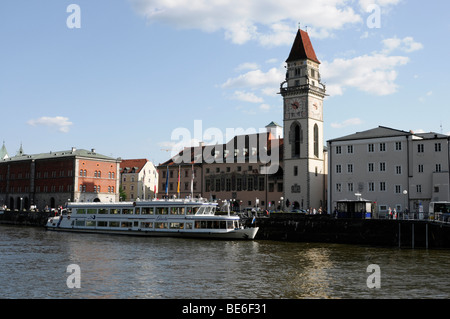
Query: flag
x=178 y=187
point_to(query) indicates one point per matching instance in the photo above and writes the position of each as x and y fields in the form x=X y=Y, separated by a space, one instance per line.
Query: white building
x=393 y=168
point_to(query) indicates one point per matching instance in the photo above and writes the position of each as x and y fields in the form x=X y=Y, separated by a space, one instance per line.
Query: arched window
x=295 y=137
x=316 y=140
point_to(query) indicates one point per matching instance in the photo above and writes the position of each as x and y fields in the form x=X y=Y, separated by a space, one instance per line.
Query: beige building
x=393 y=168
x=138 y=179
x=232 y=172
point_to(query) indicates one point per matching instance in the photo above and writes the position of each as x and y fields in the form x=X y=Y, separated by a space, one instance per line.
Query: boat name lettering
x=161 y=218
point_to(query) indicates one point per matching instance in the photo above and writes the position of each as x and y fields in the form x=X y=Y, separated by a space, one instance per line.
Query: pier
x=420 y=234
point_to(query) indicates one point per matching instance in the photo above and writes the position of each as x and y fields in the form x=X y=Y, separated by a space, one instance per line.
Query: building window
x=338 y=169
x=316 y=140
x=295 y=136
x=420 y=148
x=350 y=187
x=382 y=167
x=438 y=168
x=370 y=148
x=295 y=170
x=398 y=189
x=398 y=146
x=350 y=149
x=419 y=188
x=398 y=170
x=338 y=150
x=420 y=168
x=382 y=147
x=437 y=147
x=371 y=186
x=371 y=167
x=349 y=168
x=382 y=186
x=338 y=187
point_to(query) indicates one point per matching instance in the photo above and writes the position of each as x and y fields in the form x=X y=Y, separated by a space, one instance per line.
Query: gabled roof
x=302 y=48
x=132 y=165
x=378 y=132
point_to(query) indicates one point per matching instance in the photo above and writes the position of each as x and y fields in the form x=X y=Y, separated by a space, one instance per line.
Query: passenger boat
x=174 y=218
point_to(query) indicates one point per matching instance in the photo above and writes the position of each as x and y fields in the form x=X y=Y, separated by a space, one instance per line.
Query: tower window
x=295 y=139
x=316 y=140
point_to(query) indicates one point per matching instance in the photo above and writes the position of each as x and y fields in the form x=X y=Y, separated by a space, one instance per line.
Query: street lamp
x=282 y=203
x=405 y=192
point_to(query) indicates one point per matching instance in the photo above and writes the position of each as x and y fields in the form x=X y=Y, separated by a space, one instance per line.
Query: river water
x=34 y=264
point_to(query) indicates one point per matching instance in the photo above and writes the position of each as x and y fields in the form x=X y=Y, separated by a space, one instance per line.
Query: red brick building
x=54 y=178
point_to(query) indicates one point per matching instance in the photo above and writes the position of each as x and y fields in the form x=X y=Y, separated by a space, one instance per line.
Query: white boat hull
x=240 y=233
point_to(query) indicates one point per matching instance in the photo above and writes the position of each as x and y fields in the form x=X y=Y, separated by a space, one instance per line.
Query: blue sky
x=136 y=70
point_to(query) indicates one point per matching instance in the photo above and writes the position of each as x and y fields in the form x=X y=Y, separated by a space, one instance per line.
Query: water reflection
x=33 y=264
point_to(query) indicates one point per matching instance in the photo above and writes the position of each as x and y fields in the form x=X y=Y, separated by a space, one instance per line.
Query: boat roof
x=153 y=203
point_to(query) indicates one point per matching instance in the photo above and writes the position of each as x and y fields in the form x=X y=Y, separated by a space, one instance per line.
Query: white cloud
x=346 y=123
x=256 y=78
x=269 y=22
x=406 y=44
x=247 y=66
x=246 y=97
x=374 y=74
x=61 y=123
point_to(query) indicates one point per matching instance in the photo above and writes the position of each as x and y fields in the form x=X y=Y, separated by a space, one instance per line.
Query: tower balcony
x=304 y=88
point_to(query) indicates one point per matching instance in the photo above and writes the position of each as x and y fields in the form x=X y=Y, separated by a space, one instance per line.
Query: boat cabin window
x=161 y=211
x=126 y=224
x=177 y=211
x=146 y=225
x=190 y=210
x=79 y=223
x=114 y=211
x=102 y=211
x=102 y=224
x=188 y=225
x=90 y=223
x=160 y=225
x=176 y=225
x=127 y=211
x=147 y=210
x=114 y=224
x=213 y=224
x=81 y=211
x=92 y=211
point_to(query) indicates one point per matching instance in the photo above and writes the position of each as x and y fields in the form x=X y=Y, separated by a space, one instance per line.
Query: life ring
x=51 y=220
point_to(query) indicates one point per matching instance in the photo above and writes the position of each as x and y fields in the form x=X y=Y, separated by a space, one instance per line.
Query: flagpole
x=192 y=182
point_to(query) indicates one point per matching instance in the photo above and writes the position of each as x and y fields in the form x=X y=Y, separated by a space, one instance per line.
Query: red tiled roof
x=302 y=48
x=139 y=163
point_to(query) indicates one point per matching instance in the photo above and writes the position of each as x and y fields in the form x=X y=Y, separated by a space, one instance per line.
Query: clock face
x=295 y=108
x=316 y=108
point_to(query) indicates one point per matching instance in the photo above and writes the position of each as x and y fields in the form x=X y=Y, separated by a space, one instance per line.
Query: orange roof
x=302 y=48
x=133 y=163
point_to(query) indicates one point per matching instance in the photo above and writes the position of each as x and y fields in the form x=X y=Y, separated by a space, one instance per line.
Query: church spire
x=302 y=48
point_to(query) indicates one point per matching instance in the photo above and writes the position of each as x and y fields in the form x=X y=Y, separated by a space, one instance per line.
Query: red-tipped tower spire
x=302 y=48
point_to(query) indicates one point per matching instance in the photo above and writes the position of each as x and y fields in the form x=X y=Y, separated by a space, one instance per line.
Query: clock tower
x=304 y=158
